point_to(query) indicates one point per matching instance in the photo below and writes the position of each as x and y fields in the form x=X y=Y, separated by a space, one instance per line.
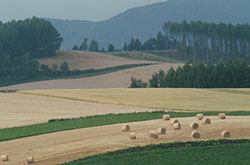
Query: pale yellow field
x=19 y=110
x=168 y=99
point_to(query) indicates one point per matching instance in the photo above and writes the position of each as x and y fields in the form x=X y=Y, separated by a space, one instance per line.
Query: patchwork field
x=18 y=109
x=120 y=79
x=167 y=98
x=88 y=60
x=65 y=146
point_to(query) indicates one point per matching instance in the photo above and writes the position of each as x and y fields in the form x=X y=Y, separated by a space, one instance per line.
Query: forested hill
x=145 y=22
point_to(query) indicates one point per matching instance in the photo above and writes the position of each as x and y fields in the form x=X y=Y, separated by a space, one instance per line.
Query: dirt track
x=18 y=109
x=120 y=79
x=69 y=145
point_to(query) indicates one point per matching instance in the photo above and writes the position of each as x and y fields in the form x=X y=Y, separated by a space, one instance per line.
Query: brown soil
x=88 y=60
x=120 y=79
x=69 y=145
x=19 y=110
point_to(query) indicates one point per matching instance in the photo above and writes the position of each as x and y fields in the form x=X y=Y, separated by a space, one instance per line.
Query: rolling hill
x=88 y=60
x=144 y=22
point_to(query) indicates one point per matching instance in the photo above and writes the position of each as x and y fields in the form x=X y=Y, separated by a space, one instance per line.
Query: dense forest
x=234 y=74
x=200 y=41
x=21 y=42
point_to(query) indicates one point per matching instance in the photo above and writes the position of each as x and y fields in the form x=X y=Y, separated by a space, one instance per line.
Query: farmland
x=221 y=152
x=19 y=110
x=83 y=60
x=167 y=98
x=118 y=79
x=52 y=148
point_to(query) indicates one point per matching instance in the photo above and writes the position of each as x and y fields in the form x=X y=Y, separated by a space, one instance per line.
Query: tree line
x=234 y=74
x=210 y=42
x=200 y=41
x=93 y=46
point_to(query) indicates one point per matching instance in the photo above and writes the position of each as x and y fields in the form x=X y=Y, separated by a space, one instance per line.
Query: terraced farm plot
x=166 y=98
x=69 y=145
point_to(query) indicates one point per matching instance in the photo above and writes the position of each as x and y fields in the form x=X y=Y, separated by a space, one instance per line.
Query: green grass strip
x=211 y=152
x=57 y=125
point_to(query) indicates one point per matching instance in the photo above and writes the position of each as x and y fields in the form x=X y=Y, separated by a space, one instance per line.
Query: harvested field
x=88 y=60
x=52 y=148
x=167 y=98
x=120 y=79
x=19 y=110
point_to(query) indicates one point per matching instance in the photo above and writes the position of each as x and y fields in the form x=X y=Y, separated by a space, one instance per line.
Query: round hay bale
x=195 y=135
x=177 y=126
x=30 y=160
x=125 y=128
x=194 y=125
x=132 y=136
x=166 y=117
x=4 y=158
x=206 y=121
x=222 y=116
x=161 y=130
x=153 y=135
x=174 y=121
x=199 y=116
x=225 y=134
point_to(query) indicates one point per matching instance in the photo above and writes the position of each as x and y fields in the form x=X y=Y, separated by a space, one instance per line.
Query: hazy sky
x=94 y=10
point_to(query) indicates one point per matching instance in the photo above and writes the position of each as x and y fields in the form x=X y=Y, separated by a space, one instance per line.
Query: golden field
x=167 y=98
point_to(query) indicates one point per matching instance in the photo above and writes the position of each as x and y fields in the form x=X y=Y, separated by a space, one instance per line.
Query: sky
x=92 y=10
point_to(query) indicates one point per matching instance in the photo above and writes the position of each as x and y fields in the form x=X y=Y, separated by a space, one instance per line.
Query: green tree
x=94 y=46
x=137 y=83
x=84 y=45
x=111 y=48
x=64 y=67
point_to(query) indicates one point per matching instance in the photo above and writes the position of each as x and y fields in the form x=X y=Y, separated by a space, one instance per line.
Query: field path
x=19 y=110
x=69 y=145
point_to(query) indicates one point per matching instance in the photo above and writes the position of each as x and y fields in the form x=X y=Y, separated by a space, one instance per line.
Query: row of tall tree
x=234 y=74
x=210 y=42
x=200 y=41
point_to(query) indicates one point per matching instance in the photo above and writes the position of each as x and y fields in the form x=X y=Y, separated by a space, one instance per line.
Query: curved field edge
x=211 y=152
x=181 y=99
x=58 y=125
x=83 y=73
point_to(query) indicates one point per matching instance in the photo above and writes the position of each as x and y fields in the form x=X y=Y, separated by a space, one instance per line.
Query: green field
x=57 y=125
x=213 y=152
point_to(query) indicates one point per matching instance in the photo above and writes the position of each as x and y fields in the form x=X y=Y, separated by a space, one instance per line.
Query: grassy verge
x=161 y=56
x=212 y=152
x=57 y=125
x=80 y=74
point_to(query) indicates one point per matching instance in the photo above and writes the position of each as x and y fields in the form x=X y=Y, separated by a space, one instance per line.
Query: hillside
x=144 y=22
x=119 y=79
x=88 y=60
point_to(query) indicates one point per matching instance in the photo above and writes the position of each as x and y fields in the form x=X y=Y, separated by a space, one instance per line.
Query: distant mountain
x=144 y=22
